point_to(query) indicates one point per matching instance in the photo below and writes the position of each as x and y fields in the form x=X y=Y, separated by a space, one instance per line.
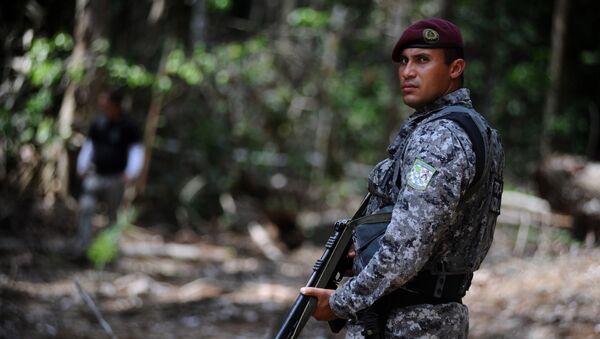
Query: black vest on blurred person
x=111 y=140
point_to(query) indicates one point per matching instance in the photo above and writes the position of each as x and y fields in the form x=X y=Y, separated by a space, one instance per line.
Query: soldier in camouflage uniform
x=441 y=226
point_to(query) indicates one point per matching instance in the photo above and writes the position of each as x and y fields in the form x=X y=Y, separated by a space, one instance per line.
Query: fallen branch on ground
x=90 y=303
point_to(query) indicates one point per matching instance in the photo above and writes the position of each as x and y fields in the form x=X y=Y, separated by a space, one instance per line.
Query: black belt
x=403 y=298
x=451 y=286
x=425 y=288
x=374 y=318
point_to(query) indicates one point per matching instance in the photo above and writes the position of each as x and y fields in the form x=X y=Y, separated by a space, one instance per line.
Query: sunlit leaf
x=164 y=84
x=100 y=46
x=105 y=247
x=220 y=5
x=174 y=61
x=75 y=72
x=63 y=41
x=39 y=102
x=46 y=73
x=44 y=131
x=190 y=73
x=308 y=17
x=40 y=49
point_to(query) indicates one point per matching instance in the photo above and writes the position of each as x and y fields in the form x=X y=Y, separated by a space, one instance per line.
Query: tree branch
x=90 y=303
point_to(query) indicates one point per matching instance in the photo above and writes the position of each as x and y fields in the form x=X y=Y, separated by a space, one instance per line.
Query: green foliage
x=507 y=72
x=105 y=247
x=590 y=57
x=46 y=73
x=361 y=95
x=219 y=5
x=164 y=84
x=254 y=100
x=27 y=117
x=121 y=71
x=38 y=103
x=241 y=109
x=45 y=60
x=308 y=17
x=63 y=41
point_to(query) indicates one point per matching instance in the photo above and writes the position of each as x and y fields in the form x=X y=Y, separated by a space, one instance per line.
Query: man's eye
x=422 y=59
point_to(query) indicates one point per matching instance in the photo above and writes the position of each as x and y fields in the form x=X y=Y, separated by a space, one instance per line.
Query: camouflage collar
x=459 y=97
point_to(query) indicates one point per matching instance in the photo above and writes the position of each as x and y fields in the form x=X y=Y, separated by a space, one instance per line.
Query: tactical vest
x=443 y=280
x=451 y=279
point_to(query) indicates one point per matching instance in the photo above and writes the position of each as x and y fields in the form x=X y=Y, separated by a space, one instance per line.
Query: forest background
x=259 y=110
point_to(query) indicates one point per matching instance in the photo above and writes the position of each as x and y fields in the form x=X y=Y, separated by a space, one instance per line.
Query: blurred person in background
x=110 y=159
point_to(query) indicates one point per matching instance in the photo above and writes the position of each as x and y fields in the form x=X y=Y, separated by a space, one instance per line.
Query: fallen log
x=517 y=206
x=571 y=185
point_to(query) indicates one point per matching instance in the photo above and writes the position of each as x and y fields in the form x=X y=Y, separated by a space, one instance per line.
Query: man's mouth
x=408 y=87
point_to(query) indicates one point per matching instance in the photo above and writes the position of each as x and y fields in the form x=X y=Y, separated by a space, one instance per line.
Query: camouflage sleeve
x=437 y=167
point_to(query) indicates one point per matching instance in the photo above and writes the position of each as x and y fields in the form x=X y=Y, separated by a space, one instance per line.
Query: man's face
x=110 y=109
x=424 y=76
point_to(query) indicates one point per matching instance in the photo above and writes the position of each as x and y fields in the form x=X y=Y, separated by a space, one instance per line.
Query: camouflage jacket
x=436 y=169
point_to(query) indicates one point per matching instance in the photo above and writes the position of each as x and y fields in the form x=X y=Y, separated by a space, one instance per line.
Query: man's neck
x=461 y=96
x=114 y=115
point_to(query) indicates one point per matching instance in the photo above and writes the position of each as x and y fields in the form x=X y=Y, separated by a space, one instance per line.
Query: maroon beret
x=428 y=33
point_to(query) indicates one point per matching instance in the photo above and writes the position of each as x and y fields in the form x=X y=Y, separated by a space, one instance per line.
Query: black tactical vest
x=445 y=275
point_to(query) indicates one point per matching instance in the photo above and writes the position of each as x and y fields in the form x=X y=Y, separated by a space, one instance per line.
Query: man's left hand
x=323 y=311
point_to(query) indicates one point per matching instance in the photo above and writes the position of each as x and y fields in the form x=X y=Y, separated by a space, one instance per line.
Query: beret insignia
x=429 y=33
x=430 y=36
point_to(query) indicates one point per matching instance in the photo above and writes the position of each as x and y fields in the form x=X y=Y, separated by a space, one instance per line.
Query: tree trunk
x=397 y=19
x=559 y=29
x=286 y=8
x=89 y=27
x=157 y=11
x=156 y=106
x=491 y=10
x=445 y=9
x=326 y=115
x=198 y=22
x=77 y=100
x=149 y=136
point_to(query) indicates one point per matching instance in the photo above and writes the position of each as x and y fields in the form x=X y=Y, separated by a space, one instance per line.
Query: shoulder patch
x=420 y=175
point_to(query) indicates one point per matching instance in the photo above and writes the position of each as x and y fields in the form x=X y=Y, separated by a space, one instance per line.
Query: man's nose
x=407 y=71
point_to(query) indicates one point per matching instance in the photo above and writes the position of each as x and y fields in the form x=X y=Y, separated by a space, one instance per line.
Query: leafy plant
x=105 y=247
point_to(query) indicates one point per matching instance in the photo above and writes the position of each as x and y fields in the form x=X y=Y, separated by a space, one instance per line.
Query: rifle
x=327 y=272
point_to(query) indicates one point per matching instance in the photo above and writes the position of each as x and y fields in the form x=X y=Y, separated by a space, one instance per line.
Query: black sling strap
x=465 y=121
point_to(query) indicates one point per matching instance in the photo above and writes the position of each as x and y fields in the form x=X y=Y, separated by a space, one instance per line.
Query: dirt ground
x=224 y=287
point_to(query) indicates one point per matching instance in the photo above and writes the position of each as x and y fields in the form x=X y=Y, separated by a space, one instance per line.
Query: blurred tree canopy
x=290 y=102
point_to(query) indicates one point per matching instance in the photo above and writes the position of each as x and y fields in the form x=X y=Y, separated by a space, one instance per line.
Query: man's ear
x=457 y=67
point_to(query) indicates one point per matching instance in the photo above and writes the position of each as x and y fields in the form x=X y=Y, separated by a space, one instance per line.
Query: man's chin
x=411 y=102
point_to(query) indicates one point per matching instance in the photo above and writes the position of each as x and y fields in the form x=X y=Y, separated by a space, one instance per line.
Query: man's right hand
x=323 y=311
